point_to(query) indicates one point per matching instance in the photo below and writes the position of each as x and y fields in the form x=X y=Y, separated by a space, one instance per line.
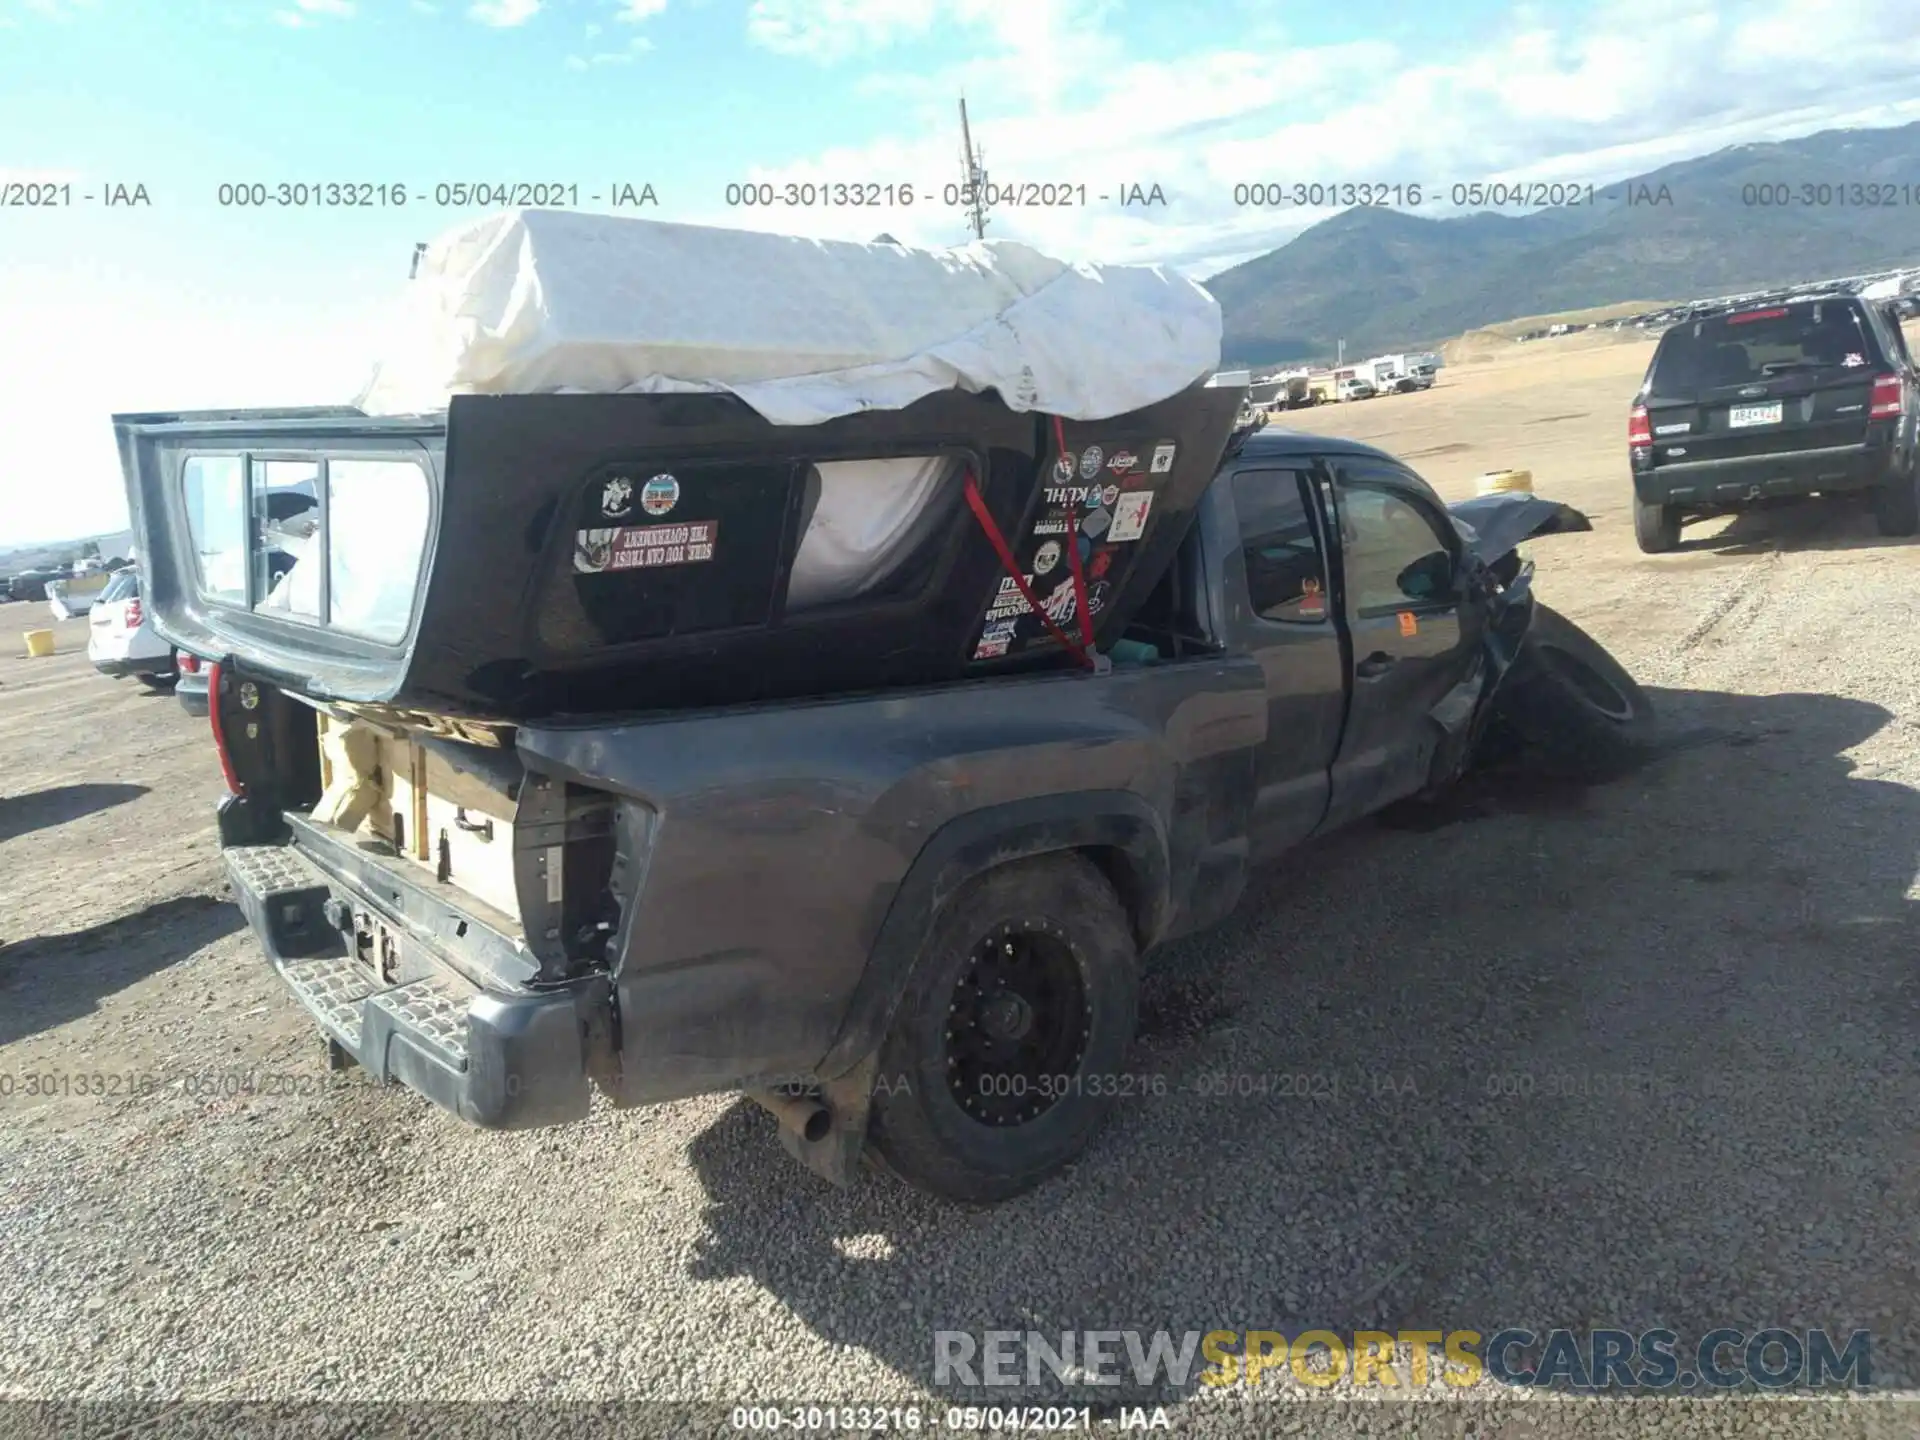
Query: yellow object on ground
x=1504 y=482
x=39 y=642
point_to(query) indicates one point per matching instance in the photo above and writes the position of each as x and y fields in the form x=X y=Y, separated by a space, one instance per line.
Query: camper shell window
x=669 y=549
x=323 y=540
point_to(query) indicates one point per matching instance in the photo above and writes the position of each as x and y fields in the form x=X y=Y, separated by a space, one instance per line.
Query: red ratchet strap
x=1082 y=649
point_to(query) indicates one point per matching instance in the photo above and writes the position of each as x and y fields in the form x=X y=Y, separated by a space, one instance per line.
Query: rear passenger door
x=1289 y=627
x=1413 y=639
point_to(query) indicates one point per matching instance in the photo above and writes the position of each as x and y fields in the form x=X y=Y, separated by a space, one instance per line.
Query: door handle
x=1378 y=663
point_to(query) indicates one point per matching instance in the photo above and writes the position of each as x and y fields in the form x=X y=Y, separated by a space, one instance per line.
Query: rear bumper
x=496 y=1059
x=1744 y=479
x=120 y=666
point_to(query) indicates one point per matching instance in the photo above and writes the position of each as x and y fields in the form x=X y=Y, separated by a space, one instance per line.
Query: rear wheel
x=1656 y=527
x=1573 y=704
x=1896 y=505
x=1001 y=1061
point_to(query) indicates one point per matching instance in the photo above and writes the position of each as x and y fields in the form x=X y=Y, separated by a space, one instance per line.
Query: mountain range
x=1384 y=279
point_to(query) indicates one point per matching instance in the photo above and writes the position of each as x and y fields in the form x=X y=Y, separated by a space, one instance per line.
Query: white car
x=1356 y=389
x=120 y=636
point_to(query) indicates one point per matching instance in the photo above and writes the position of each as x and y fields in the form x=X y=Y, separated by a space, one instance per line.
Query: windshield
x=1751 y=348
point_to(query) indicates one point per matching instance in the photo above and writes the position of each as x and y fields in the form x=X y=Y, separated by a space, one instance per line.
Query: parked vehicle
x=537 y=824
x=1749 y=406
x=1356 y=387
x=191 y=687
x=121 y=640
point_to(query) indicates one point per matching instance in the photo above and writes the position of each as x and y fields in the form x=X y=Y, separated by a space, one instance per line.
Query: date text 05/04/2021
x=900 y=195
x=879 y=1419
x=1461 y=194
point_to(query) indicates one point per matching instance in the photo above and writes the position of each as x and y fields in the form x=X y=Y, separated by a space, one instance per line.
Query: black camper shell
x=547 y=555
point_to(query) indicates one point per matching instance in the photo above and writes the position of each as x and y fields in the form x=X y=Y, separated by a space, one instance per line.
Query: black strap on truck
x=1081 y=649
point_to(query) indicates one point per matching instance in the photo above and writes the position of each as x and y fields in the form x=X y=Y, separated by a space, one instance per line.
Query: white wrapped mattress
x=552 y=301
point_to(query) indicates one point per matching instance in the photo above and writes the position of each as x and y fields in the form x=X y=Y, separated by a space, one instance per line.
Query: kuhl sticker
x=644 y=547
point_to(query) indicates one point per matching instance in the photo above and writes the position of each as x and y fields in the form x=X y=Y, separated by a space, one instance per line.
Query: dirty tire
x=1073 y=943
x=1655 y=527
x=1574 y=705
x=1896 y=505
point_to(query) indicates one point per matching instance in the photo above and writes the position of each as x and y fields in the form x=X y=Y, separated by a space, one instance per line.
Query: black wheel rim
x=1017 y=1027
x=1593 y=687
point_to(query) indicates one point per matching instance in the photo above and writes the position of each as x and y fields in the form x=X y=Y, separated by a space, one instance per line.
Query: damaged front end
x=1493 y=527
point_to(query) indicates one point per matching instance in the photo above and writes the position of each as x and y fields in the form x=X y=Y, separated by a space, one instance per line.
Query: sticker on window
x=1046 y=557
x=1162 y=459
x=1313 y=605
x=1130 y=517
x=1090 y=462
x=1409 y=624
x=643 y=547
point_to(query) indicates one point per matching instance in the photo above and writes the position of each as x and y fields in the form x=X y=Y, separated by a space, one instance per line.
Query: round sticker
x=1109 y=495
x=1090 y=462
x=1063 y=469
x=660 y=494
x=1046 y=557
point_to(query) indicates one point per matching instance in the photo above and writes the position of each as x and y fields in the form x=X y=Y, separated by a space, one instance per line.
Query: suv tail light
x=219 y=731
x=1889 y=398
x=1639 y=429
x=133 y=613
x=189 y=662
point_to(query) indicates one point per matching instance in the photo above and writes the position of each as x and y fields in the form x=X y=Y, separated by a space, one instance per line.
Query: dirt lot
x=1632 y=1056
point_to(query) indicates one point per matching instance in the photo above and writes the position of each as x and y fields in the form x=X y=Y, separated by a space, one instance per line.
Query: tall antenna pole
x=975 y=174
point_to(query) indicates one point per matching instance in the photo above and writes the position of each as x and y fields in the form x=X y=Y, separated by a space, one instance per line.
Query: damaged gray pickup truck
x=566 y=756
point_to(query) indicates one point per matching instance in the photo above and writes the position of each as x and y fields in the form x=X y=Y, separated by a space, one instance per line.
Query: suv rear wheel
x=1896 y=504
x=1656 y=527
x=1000 y=1063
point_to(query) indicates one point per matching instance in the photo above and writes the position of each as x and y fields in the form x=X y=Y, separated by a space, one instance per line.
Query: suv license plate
x=1743 y=415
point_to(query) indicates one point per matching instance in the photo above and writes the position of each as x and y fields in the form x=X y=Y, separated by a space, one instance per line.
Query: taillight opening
x=189 y=663
x=133 y=614
x=1639 y=428
x=219 y=731
x=1889 y=398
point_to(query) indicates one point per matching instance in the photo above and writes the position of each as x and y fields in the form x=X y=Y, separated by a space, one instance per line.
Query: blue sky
x=187 y=302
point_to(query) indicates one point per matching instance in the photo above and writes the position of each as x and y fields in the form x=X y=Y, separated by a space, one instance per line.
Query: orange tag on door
x=1408 y=625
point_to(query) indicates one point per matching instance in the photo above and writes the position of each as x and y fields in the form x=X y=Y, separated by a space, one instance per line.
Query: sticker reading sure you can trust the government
x=644 y=547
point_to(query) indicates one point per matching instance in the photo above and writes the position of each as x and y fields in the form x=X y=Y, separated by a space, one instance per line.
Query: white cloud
x=829 y=30
x=1541 y=94
x=637 y=46
x=425 y=7
x=503 y=14
x=342 y=8
x=634 y=11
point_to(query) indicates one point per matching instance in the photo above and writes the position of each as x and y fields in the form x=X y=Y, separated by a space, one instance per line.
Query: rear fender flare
x=1117 y=822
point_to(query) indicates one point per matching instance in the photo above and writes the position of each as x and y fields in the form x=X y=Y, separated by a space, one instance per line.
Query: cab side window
x=1286 y=573
x=1394 y=554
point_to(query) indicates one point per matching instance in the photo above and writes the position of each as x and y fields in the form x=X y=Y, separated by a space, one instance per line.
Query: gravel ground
x=1639 y=1055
